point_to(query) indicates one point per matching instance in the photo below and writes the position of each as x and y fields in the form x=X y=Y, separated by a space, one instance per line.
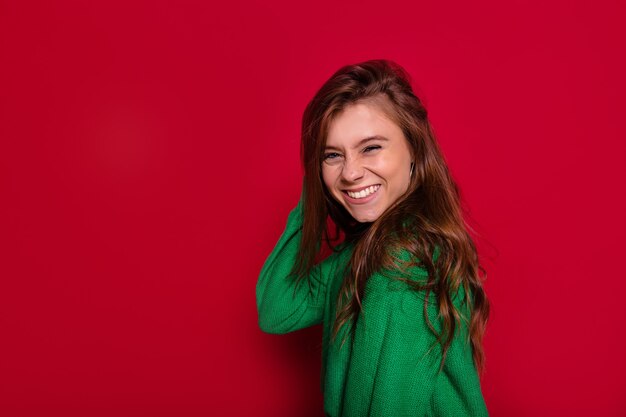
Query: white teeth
x=364 y=193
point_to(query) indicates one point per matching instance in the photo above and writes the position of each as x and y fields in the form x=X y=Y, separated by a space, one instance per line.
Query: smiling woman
x=367 y=161
x=401 y=298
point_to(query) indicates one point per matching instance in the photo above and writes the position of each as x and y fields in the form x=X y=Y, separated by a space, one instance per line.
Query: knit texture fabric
x=391 y=365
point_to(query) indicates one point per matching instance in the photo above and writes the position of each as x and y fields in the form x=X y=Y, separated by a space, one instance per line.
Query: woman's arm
x=282 y=306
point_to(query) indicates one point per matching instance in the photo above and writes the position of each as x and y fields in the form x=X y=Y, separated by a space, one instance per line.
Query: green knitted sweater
x=389 y=367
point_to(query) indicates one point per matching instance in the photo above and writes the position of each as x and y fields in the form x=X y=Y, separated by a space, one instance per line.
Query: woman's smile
x=364 y=195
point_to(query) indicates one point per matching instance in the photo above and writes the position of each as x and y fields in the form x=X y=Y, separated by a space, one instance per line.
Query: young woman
x=401 y=297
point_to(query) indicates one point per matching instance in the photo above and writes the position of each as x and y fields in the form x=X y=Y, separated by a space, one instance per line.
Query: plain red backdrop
x=149 y=158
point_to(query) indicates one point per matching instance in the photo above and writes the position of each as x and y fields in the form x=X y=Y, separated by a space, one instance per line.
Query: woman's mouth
x=362 y=196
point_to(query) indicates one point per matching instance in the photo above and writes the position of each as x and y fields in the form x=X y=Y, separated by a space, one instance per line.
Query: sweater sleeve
x=395 y=349
x=282 y=305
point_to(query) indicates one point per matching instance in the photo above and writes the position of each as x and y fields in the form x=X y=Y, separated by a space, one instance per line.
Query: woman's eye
x=329 y=156
x=371 y=148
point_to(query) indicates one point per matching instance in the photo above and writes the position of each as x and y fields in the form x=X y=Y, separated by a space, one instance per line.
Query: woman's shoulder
x=406 y=266
x=409 y=275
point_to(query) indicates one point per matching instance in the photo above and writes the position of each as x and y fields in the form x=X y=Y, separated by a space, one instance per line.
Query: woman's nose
x=352 y=170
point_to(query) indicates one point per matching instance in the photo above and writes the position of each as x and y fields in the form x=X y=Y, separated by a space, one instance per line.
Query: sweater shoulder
x=410 y=279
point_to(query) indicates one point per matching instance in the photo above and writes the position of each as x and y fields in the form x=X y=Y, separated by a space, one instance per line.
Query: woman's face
x=366 y=162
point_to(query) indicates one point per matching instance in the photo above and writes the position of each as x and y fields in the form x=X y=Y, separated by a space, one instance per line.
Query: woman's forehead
x=358 y=122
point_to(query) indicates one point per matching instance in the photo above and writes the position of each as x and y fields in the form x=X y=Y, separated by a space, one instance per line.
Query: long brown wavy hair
x=427 y=221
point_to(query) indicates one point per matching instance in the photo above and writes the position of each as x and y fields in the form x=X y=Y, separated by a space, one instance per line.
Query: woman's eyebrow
x=361 y=142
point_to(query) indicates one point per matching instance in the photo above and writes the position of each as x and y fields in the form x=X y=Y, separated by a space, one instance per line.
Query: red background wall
x=149 y=158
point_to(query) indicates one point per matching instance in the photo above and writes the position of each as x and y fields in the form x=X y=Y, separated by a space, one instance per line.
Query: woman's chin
x=365 y=217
